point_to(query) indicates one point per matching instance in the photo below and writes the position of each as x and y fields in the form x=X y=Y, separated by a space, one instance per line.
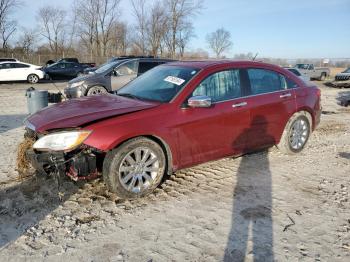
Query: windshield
x=302 y=66
x=107 y=66
x=347 y=70
x=161 y=83
x=52 y=65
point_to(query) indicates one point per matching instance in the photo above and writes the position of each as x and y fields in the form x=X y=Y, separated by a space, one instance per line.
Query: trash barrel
x=36 y=99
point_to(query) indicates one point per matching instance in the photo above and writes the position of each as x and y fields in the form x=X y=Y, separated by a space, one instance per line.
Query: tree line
x=93 y=28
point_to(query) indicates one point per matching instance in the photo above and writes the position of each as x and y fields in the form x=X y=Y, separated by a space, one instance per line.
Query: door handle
x=286 y=95
x=239 y=104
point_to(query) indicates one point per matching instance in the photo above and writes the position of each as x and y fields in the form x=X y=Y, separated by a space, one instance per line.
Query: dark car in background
x=111 y=76
x=64 y=70
x=70 y=60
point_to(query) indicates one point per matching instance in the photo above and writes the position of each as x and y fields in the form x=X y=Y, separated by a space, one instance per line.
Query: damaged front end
x=68 y=157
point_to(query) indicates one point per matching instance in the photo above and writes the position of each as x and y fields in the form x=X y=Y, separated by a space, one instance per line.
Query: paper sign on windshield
x=174 y=80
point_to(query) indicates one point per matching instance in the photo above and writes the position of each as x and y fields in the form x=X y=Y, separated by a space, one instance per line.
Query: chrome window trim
x=243 y=97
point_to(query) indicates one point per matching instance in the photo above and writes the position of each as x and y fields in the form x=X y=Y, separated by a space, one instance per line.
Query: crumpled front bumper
x=46 y=161
x=80 y=165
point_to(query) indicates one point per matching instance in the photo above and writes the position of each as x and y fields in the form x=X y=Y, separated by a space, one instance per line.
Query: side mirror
x=199 y=101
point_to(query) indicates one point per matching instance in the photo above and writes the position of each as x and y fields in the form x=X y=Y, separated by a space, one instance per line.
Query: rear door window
x=220 y=86
x=265 y=81
x=7 y=66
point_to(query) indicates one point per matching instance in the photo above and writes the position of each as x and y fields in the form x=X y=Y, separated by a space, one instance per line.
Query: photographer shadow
x=251 y=233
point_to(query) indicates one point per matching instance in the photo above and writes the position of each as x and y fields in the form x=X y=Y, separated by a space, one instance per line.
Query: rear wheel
x=135 y=168
x=296 y=133
x=33 y=78
x=96 y=90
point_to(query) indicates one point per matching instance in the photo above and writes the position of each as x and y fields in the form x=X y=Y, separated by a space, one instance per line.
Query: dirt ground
x=260 y=207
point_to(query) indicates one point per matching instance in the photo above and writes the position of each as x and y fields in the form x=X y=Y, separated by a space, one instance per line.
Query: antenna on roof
x=255 y=56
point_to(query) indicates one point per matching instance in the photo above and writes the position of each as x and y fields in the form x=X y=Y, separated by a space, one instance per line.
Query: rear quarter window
x=295 y=72
x=145 y=66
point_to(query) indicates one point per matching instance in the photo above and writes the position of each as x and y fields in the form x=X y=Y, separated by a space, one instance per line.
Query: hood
x=343 y=74
x=81 y=78
x=77 y=112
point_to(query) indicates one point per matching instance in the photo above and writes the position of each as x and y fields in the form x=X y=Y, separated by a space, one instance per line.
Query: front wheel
x=96 y=90
x=296 y=133
x=33 y=78
x=135 y=168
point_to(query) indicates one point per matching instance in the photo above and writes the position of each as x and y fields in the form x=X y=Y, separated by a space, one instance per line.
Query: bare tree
x=7 y=25
x=120 y=38
x=28 y=40
x=53 y=27
x=96 y=20
x=219 y=41
x=185 y=35
x=157 y=27
x=139 y=11
x=180 y=13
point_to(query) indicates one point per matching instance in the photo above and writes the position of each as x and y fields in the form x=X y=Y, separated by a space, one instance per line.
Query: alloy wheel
x=96 y=90
x=33 y=79
x=139 y=169
x=299 y=134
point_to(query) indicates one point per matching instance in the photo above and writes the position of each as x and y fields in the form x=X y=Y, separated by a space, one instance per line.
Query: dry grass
x=336 y=70
x=22 y=162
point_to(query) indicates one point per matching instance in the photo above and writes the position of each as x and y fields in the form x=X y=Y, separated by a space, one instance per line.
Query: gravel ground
x=260 y=207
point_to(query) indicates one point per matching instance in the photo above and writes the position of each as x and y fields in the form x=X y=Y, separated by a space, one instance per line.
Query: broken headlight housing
x=61 y=141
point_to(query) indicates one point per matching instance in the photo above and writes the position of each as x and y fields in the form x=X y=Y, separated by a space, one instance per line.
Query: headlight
x=61 y=141
x=76 y=84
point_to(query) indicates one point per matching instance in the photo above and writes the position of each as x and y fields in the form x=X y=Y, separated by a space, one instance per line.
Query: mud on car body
x=174 y=116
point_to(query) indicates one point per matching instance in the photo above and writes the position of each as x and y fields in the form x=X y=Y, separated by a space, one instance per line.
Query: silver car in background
x=296 y=72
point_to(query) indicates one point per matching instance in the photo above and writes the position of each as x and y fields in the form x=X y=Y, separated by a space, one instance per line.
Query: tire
x=293 y=133
x=33 y=79
x=96 y=90
x=323 y=76
x=130 y=176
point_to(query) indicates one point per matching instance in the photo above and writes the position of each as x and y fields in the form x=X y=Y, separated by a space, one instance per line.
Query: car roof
x=202 y=64
x=13 y=62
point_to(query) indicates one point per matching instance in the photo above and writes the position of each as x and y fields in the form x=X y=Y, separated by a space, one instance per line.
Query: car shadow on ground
x=251 y=231
x=25 y=204
x=9 y=122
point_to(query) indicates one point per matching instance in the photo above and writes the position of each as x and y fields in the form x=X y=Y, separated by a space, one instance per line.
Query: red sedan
x=174 y=116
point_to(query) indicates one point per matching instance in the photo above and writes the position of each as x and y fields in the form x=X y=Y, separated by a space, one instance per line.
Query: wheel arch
x=310 y=113
x=161 y=142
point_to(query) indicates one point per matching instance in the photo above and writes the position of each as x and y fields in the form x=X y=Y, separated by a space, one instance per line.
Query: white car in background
x=19 y=71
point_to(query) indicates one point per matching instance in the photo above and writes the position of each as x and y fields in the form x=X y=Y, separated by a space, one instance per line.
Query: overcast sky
x=273 y=28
